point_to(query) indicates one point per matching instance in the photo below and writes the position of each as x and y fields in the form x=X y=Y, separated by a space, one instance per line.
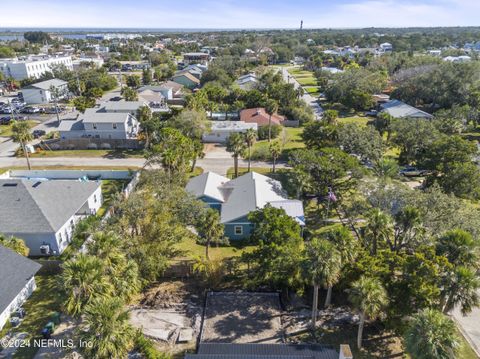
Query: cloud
x=239 y=13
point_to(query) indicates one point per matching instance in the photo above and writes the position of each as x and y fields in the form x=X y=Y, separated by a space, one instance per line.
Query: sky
x=238 y=13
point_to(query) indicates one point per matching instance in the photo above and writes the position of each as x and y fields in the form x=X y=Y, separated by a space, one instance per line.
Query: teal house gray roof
x=15 y=272
x=32 y=206
x=244 y=194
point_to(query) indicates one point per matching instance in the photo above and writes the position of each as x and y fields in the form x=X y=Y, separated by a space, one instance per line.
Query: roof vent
x=36 y=184
x=10 y=184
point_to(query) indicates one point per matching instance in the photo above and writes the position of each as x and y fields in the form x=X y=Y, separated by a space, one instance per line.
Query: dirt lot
x=238 y=317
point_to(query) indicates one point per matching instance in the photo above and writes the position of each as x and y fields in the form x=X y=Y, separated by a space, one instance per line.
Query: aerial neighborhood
x=245 y=194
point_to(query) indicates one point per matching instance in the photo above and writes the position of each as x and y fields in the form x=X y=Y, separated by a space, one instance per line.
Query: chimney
x=345 y=352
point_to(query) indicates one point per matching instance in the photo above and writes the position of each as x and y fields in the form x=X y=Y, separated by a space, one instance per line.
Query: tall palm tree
x=210 y=228
x=82 y=280
x=275 y=149
x=197 y=152
x=461 y=289
x=431 y=335
x=236 y=145
x=378 y=228
x=323 y=265
x=250 y=138
x=271 y=108
x=106 y=329
x=21 y=134
x=368 y=297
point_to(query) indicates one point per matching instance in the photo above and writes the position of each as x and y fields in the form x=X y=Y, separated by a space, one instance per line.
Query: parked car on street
x=38 y=133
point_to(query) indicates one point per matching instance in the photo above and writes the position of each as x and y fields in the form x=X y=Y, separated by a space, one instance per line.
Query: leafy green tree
x=323 y=265
x=21 y=134
x=197 y=148
x=38 y=37
x=133 y=81
x=386 y=168
x=192 y=123
x=106 y=329
x=236 y=146
x=210 y=229
x=369 y=298
x=319 y=134
x=147 y=77
x=383 y=123
x=15 y=244
x=431 y=335
x=6 y=52
x=173 y=151
x=330 y=117
x=145 y=117
x=361 y=141
x=276 y=260
x=81 y=103
x=83 y=279
x=275 y=149
x=129 y=94
x=250 y=138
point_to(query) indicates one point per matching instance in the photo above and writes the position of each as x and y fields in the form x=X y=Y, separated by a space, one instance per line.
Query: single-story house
x=186 y=79
x=208 y=350
x=44 y=212
x=45 y=91
x=221 y=130
x=260 y=116
x=236 y=198
x=17 y=281
x=399 y=109
x=100 y=124
x=247 y=82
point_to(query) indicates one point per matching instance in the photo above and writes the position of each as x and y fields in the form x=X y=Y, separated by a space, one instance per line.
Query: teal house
x=236 y=198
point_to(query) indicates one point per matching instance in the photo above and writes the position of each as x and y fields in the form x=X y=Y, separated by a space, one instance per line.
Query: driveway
x=309 y=99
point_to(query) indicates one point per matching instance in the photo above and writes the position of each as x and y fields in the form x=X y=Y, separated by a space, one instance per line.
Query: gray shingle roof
x=131 y=106
x=399 y=109
x=91 y=115
x=31 y=206
x=45 y=85
x=244 y=351
x=15 y=272
x=244 y=194
x=71 y=125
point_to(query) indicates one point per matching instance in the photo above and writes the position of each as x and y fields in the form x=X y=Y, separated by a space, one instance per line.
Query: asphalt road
x=309 y=99
x=470 y=326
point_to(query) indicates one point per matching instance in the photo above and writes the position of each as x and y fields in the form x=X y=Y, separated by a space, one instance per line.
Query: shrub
x=263 y=132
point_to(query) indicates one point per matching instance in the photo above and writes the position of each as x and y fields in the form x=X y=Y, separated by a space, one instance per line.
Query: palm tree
x=271 y=108
x=145 y=117
x=197 y=152
x=21 y=134
x=461 y=289
x=431 y=335
x=330 y=117
x=379 y=227
x=236 y=145
x=275 y=149
x=250 y=138
x=83 y=279
x=210 y=228
x=323 y=267
x=368 y=297
x=106 y=329
x=386 y=168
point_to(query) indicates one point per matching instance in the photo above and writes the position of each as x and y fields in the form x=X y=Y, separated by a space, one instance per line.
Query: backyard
x=290 y=138
x=6 y=130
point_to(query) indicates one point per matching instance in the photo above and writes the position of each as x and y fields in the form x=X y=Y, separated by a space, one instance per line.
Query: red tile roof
x=260 y=116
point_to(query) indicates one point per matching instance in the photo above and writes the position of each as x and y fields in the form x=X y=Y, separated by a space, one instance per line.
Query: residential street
x=470 y=326
x=309 y=99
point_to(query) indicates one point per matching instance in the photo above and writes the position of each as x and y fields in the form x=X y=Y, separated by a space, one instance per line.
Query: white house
x=247 y=82
x=41 y=92
x=44 y=212
x=17 y=282
x=221 y=130
x=33 y=66
x=121 y=125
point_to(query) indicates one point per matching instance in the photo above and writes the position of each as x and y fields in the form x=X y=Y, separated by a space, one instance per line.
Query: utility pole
x=301 y=25
x=11 y=110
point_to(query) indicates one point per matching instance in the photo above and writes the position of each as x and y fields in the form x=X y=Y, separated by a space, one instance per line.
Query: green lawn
x=291 y=139
x=60 y=167
x=307 y=81
x=362 y=121
x=110 y=189
x=91 y=153
x=45 y=300
x=192 y=250
x=6 y=130
x=465 y=351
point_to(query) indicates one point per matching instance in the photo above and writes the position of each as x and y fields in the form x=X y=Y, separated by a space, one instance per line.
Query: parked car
x=30 y=109
x=5 y=120
x=116 y=98
x=38 y=133
x=410 y=171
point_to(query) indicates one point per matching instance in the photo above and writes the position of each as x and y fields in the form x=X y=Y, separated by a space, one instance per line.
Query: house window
x=114 y=126
x=95 y=198
x=238 y=230
x=94 y=126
